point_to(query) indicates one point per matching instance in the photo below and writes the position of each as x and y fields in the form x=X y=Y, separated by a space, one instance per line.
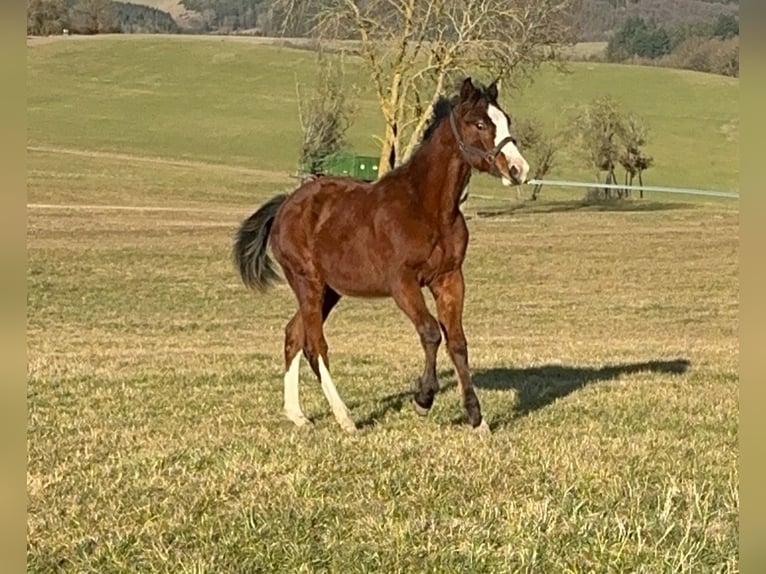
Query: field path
x=97 y=207
x=271 y=174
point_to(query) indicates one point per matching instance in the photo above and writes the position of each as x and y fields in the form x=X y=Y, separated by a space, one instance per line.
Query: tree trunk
x=609 y=181
x=388 y=151
x=641 y=183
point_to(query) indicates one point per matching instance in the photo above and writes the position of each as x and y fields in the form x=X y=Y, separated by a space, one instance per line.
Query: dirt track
x=278 y=175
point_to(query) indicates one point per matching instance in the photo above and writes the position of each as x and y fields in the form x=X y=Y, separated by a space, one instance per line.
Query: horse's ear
x=492 y=90
x=467 y=90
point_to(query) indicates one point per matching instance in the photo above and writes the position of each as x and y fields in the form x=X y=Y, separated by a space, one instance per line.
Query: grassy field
x=603 y=344
x=233 y=101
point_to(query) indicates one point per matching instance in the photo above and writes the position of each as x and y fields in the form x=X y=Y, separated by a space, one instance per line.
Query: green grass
x=603 y=344
x=693 y=118
x=233 y=101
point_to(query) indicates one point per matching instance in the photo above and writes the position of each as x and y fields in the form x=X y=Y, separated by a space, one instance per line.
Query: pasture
x=602 y=339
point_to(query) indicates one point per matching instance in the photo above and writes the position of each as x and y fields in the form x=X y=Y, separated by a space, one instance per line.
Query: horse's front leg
x=449 y=293
x=409 y=296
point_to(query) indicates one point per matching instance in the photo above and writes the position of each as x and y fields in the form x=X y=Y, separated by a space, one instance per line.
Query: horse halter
x=488 y=155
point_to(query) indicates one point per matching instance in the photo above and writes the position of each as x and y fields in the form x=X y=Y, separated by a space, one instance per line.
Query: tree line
x=595 y=20
x=48 y=17
x=598 y=20
x=705 y=47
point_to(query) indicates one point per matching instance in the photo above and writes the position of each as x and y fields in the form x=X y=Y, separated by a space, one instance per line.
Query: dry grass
x=603 y=342
x=156 y=441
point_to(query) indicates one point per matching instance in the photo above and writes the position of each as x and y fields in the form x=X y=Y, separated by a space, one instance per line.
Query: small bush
x=538 y=148
x=595 y=195
x=711 y=55
x=325 y=116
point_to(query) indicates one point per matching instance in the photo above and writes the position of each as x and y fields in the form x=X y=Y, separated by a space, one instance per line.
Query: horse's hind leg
x=316 y=301
x=315 y=350
x=294 y=344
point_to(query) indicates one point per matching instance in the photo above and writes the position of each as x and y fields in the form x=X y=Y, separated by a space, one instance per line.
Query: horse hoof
x=422 y=411
x=348 y=425
x=483 y=428
x=299 y=420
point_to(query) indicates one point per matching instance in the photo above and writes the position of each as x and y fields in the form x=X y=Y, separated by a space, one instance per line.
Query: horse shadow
x=536 y=387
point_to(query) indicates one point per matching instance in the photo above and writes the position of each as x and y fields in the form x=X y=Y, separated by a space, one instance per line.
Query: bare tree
x=46 y=17
x=415 y=49
x=538 y=147
x=93 y=16
x=595 y=130
x=324 y=116
x=632 y=157
x=606 y=138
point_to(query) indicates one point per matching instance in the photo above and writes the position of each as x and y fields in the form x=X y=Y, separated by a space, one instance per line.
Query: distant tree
x=538 y=148
x=636 y=37
x=605 y=138
x=229 y=15
x=711 y=55
x=595 y=129
x=657 y=44
x=632 y=158
x=726 y=26
x=45 y=17
x=137 y=18
x=621 y=45
x=93 y=16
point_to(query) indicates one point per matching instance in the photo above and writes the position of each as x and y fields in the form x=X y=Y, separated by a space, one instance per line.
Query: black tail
x=253 y=263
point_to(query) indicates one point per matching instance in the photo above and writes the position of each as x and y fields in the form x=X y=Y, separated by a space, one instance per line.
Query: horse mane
x=442 y=108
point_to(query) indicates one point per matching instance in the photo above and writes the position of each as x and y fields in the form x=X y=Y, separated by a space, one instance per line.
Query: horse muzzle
x=516 y=172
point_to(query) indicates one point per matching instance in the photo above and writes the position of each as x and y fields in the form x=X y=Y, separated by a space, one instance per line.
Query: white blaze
x=510 y=151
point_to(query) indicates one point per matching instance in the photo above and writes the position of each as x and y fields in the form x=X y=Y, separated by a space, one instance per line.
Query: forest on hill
x=599 y=19
x=701 y=35
x=594 y=20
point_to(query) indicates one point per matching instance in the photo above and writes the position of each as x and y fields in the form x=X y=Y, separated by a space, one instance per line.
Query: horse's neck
x=440 y=173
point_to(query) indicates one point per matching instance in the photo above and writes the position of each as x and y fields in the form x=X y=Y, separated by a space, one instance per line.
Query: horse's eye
x=481 y=125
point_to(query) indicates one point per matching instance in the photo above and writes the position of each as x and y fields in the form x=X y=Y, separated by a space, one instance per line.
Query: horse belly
x=353 y=263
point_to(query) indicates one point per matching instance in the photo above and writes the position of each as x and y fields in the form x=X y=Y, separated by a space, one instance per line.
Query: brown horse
x=337 y=236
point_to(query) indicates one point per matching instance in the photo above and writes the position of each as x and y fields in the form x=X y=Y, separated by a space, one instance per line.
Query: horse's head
x=483 y=132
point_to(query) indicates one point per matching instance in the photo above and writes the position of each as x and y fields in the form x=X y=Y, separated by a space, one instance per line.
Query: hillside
x=232 y=101
x=187 y=19
x=599 y=18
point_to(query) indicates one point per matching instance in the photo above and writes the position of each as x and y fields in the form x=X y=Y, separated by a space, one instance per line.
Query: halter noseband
x=488 y=155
